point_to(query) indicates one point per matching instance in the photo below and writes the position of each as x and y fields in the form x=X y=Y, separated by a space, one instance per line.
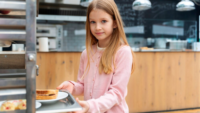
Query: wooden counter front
x=162 y=80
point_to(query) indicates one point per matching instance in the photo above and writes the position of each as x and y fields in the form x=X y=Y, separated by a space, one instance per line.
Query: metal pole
x=30 y=55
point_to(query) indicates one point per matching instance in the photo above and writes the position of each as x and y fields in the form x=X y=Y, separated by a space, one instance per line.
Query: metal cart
x=19 y=83
x=18 y=70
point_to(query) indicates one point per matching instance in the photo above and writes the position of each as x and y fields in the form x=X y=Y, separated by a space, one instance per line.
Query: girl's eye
x=92 y=22
x=104 y=21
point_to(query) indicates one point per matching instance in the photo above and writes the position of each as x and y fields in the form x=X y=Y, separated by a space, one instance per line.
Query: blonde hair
x=118 y=36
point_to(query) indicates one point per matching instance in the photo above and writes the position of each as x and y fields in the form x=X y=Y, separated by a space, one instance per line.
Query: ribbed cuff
x=71 y=82
x=91 y=107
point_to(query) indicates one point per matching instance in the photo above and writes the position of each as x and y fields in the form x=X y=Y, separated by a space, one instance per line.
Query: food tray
x=67 y=104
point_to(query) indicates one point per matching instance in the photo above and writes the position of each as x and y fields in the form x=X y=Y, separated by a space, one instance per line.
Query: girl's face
x=101 y=25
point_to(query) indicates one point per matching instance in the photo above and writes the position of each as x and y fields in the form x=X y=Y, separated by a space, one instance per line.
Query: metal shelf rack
x=19 y=83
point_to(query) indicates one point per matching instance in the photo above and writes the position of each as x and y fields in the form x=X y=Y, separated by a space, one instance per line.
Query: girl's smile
x=99 y=33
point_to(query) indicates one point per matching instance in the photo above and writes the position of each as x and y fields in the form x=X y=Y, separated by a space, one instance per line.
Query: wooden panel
x=162 y=81
x=55 y=68
x=165 y=81
x=12 y=61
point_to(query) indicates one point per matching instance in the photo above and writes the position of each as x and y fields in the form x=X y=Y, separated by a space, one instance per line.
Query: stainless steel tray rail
x=12 y=94
x=12 y=22
x=12 y=73
x=21 y=111
x=13 y=82
x=19 y=83
x=17 y=35
x=13 y=5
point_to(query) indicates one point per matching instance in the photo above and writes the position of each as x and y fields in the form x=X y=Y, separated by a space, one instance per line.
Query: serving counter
x=162 y=81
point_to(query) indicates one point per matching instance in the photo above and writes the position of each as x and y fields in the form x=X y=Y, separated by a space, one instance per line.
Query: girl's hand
x=84 y=105
x=66 y=85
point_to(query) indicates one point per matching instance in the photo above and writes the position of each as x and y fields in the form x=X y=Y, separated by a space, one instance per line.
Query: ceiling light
x=85 y=3
x=185 y=5
x=141 y=5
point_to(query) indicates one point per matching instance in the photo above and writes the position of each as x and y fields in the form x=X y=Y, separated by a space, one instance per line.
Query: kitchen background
x=153 y=28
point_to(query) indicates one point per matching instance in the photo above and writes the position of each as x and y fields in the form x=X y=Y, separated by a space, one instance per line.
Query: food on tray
x=13 y=105
x=146 y=48
x=22 y=104
x=143 y=47
x=46 y=94
x=7 y=106
x=15 y=102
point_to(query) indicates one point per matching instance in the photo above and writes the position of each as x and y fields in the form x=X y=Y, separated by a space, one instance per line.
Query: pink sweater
x=105 y=93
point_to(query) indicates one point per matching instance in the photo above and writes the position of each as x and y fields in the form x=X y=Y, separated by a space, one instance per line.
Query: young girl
x=106 y=64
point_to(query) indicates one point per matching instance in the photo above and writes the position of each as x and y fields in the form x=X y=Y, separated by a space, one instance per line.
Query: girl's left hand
x=84 y=105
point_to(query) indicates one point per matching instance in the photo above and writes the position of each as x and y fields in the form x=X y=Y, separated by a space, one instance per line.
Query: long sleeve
x=118 y=88
x=79 y=85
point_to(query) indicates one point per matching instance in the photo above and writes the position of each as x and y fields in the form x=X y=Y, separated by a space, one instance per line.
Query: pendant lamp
x=85 y=3
x=141 y=5
x=185 y=5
